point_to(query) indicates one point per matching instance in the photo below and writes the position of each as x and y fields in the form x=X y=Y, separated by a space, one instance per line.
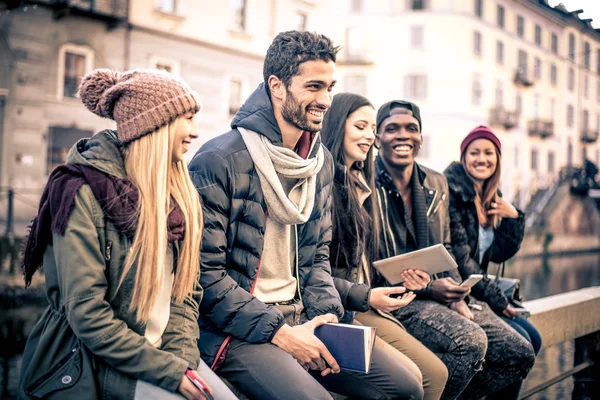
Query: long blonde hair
x=489 y=190
x=160 y=182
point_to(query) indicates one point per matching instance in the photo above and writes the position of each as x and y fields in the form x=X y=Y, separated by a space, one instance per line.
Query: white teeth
x=316 y=113
x=402 y=147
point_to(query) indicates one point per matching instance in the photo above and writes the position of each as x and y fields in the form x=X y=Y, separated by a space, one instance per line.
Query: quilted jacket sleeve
x=486 y=289
x=231 y=308
x=354 y=296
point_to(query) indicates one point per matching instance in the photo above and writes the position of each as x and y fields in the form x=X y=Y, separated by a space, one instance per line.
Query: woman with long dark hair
x=349 y=133
x=484 y=227
x=118 y=233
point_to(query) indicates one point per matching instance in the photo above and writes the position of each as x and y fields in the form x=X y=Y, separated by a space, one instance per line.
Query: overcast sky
x=591 y=8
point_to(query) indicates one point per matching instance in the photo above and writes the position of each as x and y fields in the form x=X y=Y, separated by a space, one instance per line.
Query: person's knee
x=410 y=388
x=435 y=374
x=473 y=345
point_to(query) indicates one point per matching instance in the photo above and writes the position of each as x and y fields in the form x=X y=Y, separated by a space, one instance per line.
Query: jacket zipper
x=297 y=269
x=435 y=192
x=108 y=250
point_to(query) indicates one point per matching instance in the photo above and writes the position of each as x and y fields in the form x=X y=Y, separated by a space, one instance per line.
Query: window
x=598 y=61
x=74 y=62
x=570 y=153
x=500 y=16
x=235 y=95
x=586 y=86
x=500 y=52
x=554 y=44
x=587 y=55
x=550 y=161
x=570 y=116
x=553 y=74
x=538 y=35
x=523 y=62
x=479 y=8
x=418 y=4
x=415 y=87
x=537 y=70
x=167 y=6
x=571 y=80
x=477 y=43
x=356 y=43
x=536 y=105
x=301 y=20
x=416 y=37
x=499 y=95
x=165 y=64
x=571 y=47
x=356 y=5
x=476 y=90
x=356 y=84
x=598 y=91
x=534 y=160
x=238 y=8
x=520 y=26
x=518 y=104
x=60 y=140
x=586 y=121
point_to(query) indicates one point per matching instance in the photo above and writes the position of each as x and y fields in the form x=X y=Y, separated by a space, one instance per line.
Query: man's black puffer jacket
x=234 y=225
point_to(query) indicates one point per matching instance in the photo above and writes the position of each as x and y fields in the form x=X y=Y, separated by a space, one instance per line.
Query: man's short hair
x=292 y=48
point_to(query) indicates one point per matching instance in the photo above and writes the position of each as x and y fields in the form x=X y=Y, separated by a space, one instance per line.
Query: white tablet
x=433 y=260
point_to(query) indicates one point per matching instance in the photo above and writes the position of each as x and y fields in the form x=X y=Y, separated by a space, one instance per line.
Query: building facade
x=47 y=46
x=530 y=71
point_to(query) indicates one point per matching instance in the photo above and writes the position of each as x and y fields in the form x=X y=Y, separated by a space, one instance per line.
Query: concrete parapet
x=566 y=316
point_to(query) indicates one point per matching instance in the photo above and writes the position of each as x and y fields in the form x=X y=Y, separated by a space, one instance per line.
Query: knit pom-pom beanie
x=140 y=101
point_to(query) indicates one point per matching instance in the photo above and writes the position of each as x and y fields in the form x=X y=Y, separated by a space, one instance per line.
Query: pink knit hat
x=481 y=132
x=140 y=101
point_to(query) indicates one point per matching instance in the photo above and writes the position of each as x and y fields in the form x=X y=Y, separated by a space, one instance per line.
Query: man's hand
x=510 y=312
x=447 y=290
x=462 y=308
x=300 y=341
x=381 y=300
x=415 y=279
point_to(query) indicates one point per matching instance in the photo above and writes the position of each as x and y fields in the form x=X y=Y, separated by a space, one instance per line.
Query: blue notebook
x=350 y=345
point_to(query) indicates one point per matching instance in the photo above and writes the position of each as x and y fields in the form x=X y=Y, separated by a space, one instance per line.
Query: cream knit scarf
x=273 y=161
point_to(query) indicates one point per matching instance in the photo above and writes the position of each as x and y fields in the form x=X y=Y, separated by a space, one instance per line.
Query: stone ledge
x=566 y=316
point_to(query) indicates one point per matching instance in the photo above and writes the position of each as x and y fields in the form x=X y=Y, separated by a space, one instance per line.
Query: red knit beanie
x=140 y=101
x=481 y=132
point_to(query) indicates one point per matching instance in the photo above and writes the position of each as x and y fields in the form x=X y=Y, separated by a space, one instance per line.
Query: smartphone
x=198 y=384
x=523 y=312
x=472 y=280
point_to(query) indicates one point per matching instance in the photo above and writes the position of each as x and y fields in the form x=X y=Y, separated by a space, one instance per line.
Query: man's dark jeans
x=264 y=371
x=482 y=356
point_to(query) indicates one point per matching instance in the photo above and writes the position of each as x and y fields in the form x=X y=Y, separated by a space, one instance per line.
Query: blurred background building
x=529 y=70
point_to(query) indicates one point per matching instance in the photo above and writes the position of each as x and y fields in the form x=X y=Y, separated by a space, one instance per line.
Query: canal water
x=539 y=278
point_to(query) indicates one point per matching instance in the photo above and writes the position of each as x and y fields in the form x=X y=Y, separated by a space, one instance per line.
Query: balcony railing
x=589 y=136
x=504 y=118
x=111 y=11
x=541 y=128
x=522 y=78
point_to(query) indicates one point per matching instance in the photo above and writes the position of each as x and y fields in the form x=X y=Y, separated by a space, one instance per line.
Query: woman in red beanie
x=485 y=228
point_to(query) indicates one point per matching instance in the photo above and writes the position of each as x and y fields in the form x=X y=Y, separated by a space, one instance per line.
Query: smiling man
x=266 y=193
x=414 y=214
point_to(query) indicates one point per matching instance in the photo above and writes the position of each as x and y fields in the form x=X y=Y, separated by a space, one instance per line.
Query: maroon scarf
x=117 y=197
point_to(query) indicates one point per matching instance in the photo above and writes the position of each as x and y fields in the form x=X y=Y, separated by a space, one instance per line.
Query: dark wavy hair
x=292 y=48
x=355 y=227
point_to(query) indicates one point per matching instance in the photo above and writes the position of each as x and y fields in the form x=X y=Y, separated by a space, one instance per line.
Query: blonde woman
x=118 y=233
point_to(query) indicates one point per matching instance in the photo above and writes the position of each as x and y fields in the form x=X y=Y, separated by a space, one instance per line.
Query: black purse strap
x=499 y=271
